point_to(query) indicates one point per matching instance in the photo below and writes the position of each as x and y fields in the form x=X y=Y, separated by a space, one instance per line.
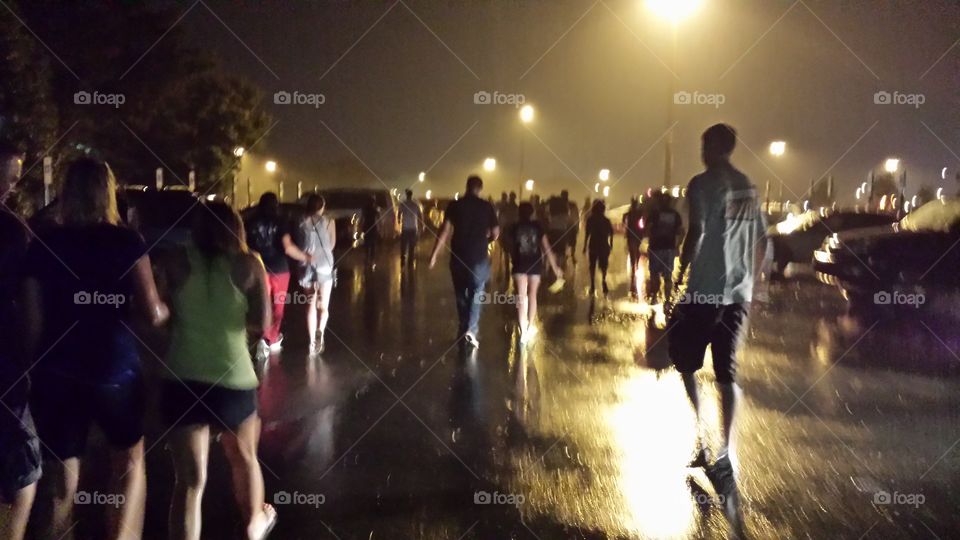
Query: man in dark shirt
x=472 y=223
x=269 y=235
x=19 y=446
x=633 y=227
x=665 y=229
x=598 y=240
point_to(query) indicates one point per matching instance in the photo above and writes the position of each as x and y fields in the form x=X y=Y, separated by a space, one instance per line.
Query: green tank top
x=209 y=335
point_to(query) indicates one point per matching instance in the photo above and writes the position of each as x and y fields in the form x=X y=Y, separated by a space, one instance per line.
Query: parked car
x=345 y=207
x=796 y=238
x=918 y=253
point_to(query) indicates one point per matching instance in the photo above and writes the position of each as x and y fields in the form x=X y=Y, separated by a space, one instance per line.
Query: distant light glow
x=429 y=194
x=271 y=166
x=675 y=191
x=422 y=176
x=456 y=196
x=528 y=185
x=891 y=165
x=778 y=148
x=943 y=174
x=606 y=191
x=604 y=175
x=526 y=114
x=596 y=187
x=238 y=151
x=489 y=164
x=673 y=10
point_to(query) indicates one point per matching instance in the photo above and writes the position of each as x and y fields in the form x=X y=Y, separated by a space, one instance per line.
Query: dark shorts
x=19 y=457
x=633 y=247
x=601 y=257
x=527 y=266
x=694 y=326
x=661 y=261
x=190 y=403
x=65 y=408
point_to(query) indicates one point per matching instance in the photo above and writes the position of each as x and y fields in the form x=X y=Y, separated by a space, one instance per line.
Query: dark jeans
x=468 y=285
x=408 y=244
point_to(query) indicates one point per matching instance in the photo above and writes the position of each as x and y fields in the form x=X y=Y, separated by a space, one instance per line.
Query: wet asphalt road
x=394 y=433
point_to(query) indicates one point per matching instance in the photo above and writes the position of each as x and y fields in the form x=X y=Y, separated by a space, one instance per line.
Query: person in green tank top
x=219 y=300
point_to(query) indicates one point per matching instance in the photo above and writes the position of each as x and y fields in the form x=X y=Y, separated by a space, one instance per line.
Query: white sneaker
x=262 y=353
x=529 y=334
x=277 y=345
x=472 y=340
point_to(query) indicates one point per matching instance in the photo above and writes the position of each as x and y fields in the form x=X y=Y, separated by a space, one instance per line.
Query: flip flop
x=271 y=523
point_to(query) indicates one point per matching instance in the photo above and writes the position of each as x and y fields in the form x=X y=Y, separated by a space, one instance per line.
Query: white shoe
x=262 y=353
x=277 y=345
x=530 y=333
x=472 y=340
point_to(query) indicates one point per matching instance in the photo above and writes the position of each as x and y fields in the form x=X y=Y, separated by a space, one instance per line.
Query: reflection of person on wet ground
x=530 y=245
x=410 y=216
x=664 y=230
x=470 y=224
x=319 y=238
x=598 y=241
x=370 y=223
x=723 y=249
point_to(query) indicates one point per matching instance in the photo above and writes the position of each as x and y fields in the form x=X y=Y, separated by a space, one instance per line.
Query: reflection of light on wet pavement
x=653 y=431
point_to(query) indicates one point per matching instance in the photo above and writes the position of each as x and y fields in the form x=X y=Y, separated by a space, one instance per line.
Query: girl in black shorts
x=529 y=244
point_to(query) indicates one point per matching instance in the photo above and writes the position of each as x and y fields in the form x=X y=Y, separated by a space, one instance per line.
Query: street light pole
x=668 y=146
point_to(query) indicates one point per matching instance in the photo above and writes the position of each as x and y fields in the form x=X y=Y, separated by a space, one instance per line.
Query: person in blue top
x=88 y=283
x=723 y=250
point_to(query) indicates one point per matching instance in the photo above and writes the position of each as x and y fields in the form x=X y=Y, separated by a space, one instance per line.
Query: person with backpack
x=268 y=234
x=530 y=247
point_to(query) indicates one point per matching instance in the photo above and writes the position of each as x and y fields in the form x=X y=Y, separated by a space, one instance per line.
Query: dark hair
x=526 y=211
x=409 y=193
x=720 y=138
x=315 y=203
x=598 y=206
x=474 y=183
x=218 y=230
x=89 y=193
x=269 y=204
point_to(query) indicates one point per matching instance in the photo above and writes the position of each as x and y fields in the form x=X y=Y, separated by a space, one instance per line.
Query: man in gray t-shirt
x=723 y=250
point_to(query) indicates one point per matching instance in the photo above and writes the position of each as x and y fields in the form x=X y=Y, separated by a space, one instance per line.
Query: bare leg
x=58 y=488
x=693 y=393
x=532 y=299
x=323 y=305
x=520 y=281
x=728 y=406
x=312 y=316
x=14 y=517
x=191 y=449
x=241 y=451
x=129 y=477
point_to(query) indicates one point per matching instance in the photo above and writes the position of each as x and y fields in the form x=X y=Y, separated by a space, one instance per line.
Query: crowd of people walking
x=82 y=293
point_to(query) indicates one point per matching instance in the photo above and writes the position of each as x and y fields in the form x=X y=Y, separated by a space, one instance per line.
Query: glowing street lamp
x=238 y=151
x=271 y=166
x=422 y=176
x=429 y=194
x=673 y=10
x=891 y=165
x=596 y=187
x=604 y=175
x=778 y=148
x=606 y=191
x=526 y=114
x=489 y=164
x=528 y=185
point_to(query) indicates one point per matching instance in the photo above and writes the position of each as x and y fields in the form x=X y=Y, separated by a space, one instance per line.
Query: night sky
x=399 y=79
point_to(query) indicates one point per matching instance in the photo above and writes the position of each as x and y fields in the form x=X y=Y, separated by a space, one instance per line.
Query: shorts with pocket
x=694 y=326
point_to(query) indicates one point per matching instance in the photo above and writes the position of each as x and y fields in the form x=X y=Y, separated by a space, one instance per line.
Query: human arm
x=445 y=231
x=694 y=237
x=257 y=294
x=332 y=231
x=293 y=251
x=146 y=298
x=551 y=257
